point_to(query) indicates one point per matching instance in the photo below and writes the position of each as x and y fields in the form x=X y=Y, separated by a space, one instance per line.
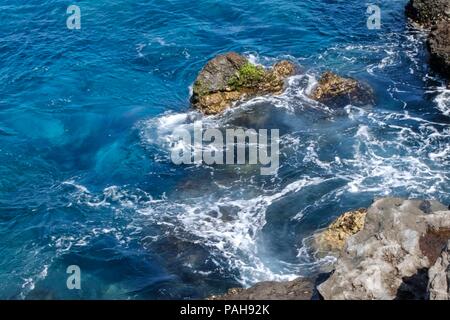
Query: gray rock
x=390 y=257
x=439 y=277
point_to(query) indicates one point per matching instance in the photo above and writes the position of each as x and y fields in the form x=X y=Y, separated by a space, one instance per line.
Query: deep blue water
x=85 y=125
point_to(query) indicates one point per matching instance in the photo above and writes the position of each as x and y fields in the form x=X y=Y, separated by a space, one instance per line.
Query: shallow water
x=85 y=129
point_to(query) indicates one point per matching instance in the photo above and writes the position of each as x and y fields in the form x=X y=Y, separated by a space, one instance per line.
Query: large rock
x=434 y=14
x=439 y=47
x=335 y=91
x=231 y=77
x=427 y=12
x=332 y=239
x=390 y=257
x=439 y=277
x=298 y=289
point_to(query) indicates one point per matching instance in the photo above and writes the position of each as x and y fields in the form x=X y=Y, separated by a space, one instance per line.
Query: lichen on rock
x=332 y=239
x=230 y=77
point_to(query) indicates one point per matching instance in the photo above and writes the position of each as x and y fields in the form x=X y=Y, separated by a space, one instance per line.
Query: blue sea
x=86 y=123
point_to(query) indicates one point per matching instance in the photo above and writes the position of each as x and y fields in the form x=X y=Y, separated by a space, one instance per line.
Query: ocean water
x=86 y=121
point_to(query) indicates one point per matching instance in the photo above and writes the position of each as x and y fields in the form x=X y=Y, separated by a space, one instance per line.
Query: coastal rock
x=333 y=238
x=439 y=47
x=231 y=77
x=439 y=277
x=390 y=257
x=298 y=289
x=427 y=12
x=335 y=91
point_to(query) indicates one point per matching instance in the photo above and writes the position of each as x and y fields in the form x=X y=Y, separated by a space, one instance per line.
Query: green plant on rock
x=199 y=88
x=248 y=75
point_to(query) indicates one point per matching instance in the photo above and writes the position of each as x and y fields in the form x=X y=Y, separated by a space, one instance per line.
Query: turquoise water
x=86 y=118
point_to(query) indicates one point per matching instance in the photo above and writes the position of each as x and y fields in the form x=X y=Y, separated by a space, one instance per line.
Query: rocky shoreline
x=434 y=15
x=401 y=251
x=397 y=248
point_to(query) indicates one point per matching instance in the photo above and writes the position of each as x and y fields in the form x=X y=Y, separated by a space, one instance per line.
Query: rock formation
x=391 y=257
x=298 y=289
x=332 y=239
x=439 y=47
x=427 y=12
x=335 y=91
x=231 y=77
x=434 y=14
x=439 y=277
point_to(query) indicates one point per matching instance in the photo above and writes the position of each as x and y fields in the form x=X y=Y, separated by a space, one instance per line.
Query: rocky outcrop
x=335 y=91
x=439 y=277
x=333 y=238
x=231 y=77
x=427 y=12
x=391 y=257
x=434 y=14
x=298 y=289
x=439 y=47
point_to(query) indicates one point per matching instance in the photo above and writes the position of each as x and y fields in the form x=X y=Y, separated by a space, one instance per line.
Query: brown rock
x=439 y=47
x=231 y=77
x=336 y=91
x=298 y=289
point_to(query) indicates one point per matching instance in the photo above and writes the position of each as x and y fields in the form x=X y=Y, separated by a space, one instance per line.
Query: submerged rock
x=231 y=77
x=391 y=256
x=298 y=289
x=439 y=47
x=336 y=91
x=427 y=12
x=333 y=238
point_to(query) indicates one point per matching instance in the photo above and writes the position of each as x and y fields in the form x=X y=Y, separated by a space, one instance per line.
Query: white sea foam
x=443 y=101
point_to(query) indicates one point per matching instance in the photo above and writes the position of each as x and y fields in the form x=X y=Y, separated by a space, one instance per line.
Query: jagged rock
x=428 y=12
x=390 y=257
x=439 y=47
x=434 y=14
x=335 y=91
x=333 y=238
x=439 y=277
x=231 y=77
x=298 y=289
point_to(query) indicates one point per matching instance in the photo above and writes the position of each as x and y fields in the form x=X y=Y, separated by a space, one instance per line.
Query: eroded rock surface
x=231 y=77
x=336 y=91
x=428 y=12
x=439 y=277
x=391 y=256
